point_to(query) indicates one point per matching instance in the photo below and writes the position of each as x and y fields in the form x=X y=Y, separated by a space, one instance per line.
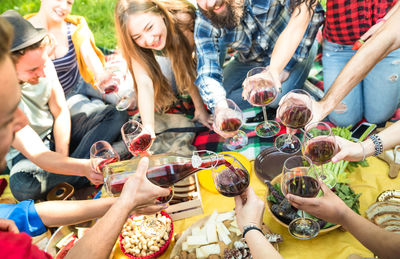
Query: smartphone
x=364 y=127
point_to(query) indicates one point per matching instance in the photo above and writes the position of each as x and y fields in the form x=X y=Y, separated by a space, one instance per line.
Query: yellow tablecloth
x=369 y=181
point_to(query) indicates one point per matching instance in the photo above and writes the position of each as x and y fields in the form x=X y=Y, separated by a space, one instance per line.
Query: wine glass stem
x=264 y=109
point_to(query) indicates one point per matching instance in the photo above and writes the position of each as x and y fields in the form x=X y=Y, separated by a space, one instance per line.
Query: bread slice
x=382 y=207
x=383 y=218
x=184 y=189
x=188 y=181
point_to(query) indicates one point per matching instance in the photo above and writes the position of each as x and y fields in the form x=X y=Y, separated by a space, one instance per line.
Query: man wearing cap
x=43 y=101
x=138 y=191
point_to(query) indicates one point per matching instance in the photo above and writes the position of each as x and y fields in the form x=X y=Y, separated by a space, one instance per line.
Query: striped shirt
x=253 y=39
x=67 y=66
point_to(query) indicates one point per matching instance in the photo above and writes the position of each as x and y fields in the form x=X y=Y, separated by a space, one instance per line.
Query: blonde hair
x=177 y=47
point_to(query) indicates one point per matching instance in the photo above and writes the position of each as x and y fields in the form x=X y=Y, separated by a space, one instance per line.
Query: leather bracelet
x=250 y=227
x=378 y=144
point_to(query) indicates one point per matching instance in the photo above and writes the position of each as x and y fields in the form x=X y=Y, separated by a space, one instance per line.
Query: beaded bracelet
x=378 y=144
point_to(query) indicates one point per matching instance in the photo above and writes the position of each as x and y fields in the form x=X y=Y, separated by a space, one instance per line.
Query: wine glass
x=231 y=178
x=137 y=139
x=299 y=178
x=119 y=85
x=101 y=154
x=227 y=122
x=261 y=93
x=319 y=144
x=294 y=112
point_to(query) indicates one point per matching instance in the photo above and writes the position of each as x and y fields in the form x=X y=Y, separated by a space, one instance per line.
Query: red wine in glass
x=106 y=161
x=231 y=183
x=111 y=88
x=262 y=97
x=230 y=125
x=296 y=117
x=320 y=149
x=140 y=144
x=303 y=185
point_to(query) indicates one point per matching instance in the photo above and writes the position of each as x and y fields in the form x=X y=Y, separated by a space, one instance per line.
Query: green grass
x=98 y=14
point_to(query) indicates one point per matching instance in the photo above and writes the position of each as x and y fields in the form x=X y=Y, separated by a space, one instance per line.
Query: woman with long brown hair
x=147 y=27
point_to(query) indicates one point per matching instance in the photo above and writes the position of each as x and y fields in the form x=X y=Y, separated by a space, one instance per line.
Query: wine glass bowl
x=119 y=85
x=136 y=138
x=299 y=178
x=294 y=112
x=227 y=123
x=319 y=144
x=102 y=153
x=261 y=92
x=231 y=178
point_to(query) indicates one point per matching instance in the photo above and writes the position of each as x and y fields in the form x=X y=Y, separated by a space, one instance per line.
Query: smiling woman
x=146 y=28
x=98 y=14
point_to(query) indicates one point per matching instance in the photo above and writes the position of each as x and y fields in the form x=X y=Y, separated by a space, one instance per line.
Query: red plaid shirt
x=347 y=20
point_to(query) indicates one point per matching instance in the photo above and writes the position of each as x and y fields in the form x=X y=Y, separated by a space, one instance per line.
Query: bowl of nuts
x=145 y=237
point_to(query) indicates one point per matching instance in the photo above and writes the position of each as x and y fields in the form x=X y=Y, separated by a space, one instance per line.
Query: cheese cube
x=210 y=249
x=200 y=254
x=196 y=240
x=211 y=229
x=196 y=231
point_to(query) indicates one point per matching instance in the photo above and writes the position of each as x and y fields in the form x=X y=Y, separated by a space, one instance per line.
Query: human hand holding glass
x=228 y=119
x=115 y=81
x=259 y=90
x=299 y=178
x=294 y=112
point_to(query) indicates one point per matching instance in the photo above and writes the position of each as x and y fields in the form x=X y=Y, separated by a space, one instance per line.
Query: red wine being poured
x=296 y=117
x=140 y=144
x=169 y=174
x=230 y=125
x=304 y=186
x=320 y=149
x=262 y=97
x=106 y=162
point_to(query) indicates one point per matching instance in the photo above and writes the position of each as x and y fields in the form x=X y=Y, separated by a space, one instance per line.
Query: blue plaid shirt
x=254 y=40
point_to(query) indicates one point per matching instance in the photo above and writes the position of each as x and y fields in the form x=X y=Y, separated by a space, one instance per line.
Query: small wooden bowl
x=274 y=181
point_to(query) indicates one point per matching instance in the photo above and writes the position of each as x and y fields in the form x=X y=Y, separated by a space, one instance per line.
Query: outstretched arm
x=289 y=40
x=249 y=211
x=28 y=142
x=138 y=191
x=351 y=151
x=331 y=208
x=59 y=213
x=375 y=49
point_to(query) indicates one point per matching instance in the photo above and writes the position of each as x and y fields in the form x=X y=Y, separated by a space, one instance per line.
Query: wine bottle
x=164 y=169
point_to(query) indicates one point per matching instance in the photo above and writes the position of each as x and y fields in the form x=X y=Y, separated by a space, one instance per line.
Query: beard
x=229 y=19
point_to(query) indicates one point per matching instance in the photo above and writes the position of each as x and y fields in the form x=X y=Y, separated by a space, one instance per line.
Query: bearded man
x=250 y=28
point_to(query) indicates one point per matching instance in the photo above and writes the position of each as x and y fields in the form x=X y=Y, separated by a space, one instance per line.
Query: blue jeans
x=235 y=72
x=375 y=98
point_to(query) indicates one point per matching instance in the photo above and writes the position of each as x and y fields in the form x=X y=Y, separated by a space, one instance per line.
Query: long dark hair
x=293 y=4
x=177 y=46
